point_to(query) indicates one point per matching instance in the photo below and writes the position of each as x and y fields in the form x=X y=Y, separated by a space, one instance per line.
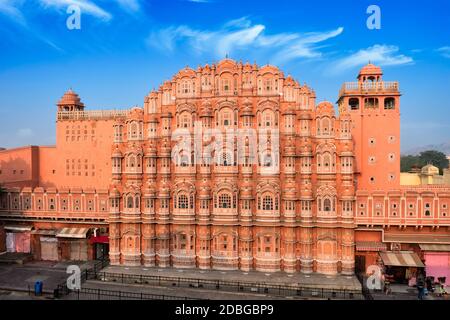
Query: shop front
x=73 y=244
x=45 y=244
x=401 y=266
x=437 y=261
x=101 y=246
x=367 y=254
x=18 y=238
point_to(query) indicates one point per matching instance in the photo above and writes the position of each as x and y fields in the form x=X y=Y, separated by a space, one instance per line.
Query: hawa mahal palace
x=229 y=166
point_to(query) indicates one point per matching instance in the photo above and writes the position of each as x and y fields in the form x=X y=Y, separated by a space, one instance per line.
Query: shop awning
x=45 y=232
x=401 y=259
x=370 y=246
x=18 y=228
x=75 y=233
x=435 y=247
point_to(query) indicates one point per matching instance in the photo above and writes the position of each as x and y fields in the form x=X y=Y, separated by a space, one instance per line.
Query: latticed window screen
x=225 y=201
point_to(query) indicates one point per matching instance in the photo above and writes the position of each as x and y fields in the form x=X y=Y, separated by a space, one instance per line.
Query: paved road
x=22 y=277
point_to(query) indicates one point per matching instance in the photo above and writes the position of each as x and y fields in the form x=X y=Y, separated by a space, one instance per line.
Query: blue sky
x=127 y=47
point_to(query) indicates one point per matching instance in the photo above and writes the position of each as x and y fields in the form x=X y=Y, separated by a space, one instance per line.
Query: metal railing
x=62 y=290
x=102 y=294
x=227 y=286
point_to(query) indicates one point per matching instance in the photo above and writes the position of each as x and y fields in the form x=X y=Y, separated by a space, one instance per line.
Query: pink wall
x=19 y=167
x=438 y=265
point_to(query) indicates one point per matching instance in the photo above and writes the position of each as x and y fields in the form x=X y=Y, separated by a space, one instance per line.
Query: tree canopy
x=433 y=157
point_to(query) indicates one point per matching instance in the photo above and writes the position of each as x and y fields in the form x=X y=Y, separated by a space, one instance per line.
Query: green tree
x=433 y=157
x=407 y=162
x=436 y=158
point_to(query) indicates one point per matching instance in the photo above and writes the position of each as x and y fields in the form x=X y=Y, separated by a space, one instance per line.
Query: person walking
x=420 y=286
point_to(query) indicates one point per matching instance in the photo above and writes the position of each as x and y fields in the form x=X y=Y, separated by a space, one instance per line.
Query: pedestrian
x=442 y=291
x=420 y=286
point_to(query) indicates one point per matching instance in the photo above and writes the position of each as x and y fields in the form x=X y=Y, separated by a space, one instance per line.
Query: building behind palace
x=229 y=166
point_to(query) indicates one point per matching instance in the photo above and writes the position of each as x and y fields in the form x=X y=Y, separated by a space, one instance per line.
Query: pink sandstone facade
x=229 y=166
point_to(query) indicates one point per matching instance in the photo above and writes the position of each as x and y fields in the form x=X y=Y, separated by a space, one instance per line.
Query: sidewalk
x=315 y=281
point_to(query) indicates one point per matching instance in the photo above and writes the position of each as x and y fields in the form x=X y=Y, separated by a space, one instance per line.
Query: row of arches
x=389 y=103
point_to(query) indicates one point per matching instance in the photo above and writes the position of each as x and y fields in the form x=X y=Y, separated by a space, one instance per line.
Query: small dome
x=430 y=170
x=70 y=98
x=370 y=70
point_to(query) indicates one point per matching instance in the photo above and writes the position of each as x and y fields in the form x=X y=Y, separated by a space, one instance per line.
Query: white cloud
x=25 y=132
x=11 y=10
x=241 y=34
x=86 y=6
x=383 y=55
x=129 y=5
x=444 y=51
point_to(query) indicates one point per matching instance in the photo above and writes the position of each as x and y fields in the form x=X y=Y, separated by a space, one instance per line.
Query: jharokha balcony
x=369 y=87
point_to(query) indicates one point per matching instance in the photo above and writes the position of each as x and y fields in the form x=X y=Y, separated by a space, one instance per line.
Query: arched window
x=130 y=202
x=185 y=120
x=326 y=162
x=353 y=103
x=226 y=86
x=137 y=202
x=185 y=87
x=224 y=201
x=371 y=103
x=183 y=201
x=389 y=103
x=268 y=118
x=326 y=128
x=267 y=203
x=326 y=205
x=183 y=159
x=267 y=160
x=225 y=159
x=132 y=162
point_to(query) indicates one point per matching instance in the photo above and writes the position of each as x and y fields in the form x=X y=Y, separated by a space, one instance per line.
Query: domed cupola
x=70 y=101
x=370 y=72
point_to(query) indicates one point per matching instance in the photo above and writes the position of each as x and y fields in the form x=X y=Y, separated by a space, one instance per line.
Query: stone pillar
x=288 y=246
x=204 y=247
x=245 y=249
x=148 y=242
x=348 y=251
x=114 y=244
x=163 y=242
x=306 y=256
